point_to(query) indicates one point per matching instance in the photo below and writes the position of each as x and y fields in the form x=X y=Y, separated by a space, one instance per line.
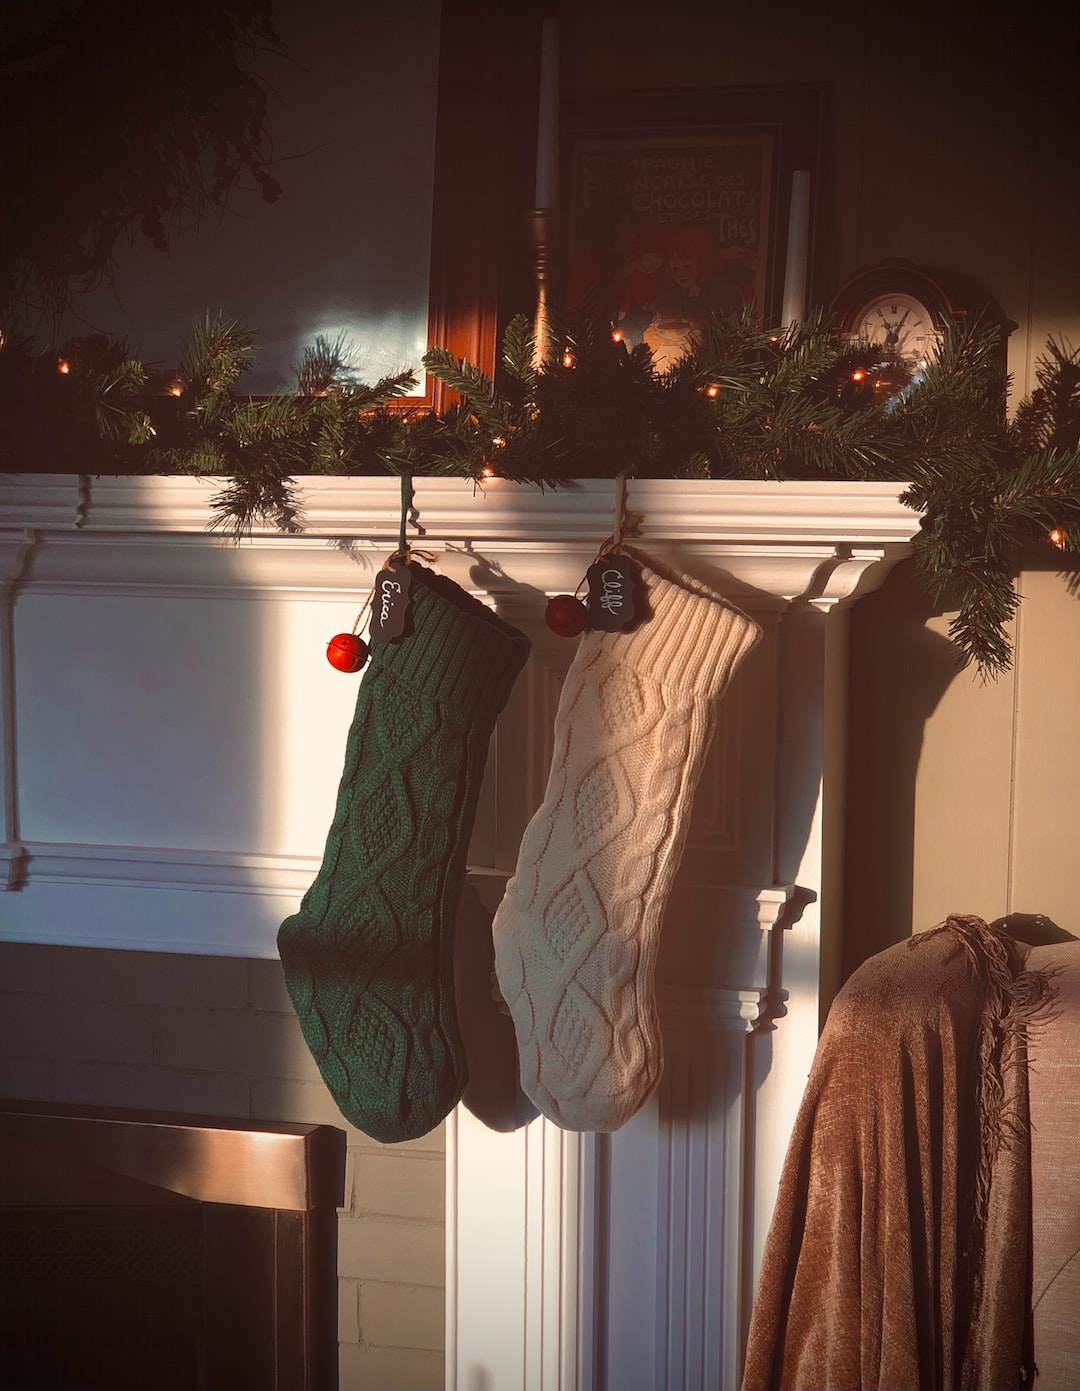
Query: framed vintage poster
x=678 y=204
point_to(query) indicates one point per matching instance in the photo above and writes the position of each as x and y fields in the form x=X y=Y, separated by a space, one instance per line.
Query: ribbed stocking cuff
x=458 y=650
x=694 y=638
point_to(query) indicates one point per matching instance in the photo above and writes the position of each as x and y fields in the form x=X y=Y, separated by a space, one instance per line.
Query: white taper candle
x=547 y=134
x=793 y=308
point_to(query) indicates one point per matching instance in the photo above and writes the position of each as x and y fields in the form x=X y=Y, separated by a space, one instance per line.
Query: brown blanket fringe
x=1017 y=1001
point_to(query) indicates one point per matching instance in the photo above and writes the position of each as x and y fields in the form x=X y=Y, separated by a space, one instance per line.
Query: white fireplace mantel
x=170 y=744
x=108 y=587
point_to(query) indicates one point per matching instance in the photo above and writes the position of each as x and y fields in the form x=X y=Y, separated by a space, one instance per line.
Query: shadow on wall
x=899 y=670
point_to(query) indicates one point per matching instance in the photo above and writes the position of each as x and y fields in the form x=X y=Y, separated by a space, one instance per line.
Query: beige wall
x=217 y=1036
x=997 y=792
x=963 y=795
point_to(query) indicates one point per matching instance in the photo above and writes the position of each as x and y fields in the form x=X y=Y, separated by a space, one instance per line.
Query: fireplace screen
x=139 y=1250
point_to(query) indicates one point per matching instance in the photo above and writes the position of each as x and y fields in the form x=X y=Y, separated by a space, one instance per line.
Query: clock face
x=902 y=325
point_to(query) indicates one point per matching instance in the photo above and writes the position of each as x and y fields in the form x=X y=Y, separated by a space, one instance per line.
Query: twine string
x=627 y=523
x=360 y=616
x=406 y=508
x=620 y=510
x=404 y=551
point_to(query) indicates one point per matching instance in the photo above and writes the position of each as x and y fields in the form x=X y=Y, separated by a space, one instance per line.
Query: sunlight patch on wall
x=374 y=345
x=306 y=709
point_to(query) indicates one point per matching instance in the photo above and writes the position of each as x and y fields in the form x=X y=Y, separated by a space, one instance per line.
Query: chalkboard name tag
x=390 y=601
x=613 y=601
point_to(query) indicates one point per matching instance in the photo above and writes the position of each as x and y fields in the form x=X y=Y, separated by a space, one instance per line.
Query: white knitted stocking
x=577 y=931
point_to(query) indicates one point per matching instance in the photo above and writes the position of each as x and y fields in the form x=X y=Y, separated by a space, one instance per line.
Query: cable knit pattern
x=368 y=958
x=577 y=931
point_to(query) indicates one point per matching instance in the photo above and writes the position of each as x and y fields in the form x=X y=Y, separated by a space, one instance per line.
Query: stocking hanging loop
x=627 y=523
x=620 y=510
x=409 y=513
x=407 y=498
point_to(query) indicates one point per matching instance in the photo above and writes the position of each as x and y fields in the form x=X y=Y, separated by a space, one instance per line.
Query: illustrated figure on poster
x=626 y=279
x=638 y=276
x=699 y=278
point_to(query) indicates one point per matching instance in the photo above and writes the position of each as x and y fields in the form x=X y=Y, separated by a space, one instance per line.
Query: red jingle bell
x=566 y=616
x=347 y=652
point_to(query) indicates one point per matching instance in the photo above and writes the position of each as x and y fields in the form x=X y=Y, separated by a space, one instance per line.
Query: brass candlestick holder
x=544 y=224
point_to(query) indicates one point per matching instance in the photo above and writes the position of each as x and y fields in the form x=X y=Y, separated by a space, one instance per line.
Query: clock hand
x=893 y=335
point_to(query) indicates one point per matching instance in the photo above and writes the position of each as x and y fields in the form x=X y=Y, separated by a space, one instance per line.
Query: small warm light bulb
x=712 y=390
x=498 y=441
x=858 y=375
x=616 y=335
x=1057 y=538
x=63 y=366
x=487 y=471
x=176 y=389
x=568 y=358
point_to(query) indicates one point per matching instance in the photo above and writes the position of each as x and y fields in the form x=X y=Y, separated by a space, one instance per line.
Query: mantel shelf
x=454 y=508
x=770 y=542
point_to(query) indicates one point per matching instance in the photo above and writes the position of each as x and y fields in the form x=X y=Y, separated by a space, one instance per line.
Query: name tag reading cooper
x=390 y=601
x=612 y=601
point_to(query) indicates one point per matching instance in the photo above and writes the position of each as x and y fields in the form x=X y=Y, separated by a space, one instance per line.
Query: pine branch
x=1050 y=417
x=244 y=504
x=745 y=402
x=519 y=349
x=988 y=604
x=115 y=396
x=469 y=382
x=392 y=387
x=215 y=355
x=324 y=366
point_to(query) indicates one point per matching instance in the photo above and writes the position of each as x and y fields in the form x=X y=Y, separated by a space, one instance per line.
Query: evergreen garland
x=747 y=402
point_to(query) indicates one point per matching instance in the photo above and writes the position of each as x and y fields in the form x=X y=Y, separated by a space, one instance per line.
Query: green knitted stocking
x=368 y=958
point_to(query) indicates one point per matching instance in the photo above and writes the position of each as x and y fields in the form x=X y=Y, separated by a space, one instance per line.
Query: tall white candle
x=547 y=136
x=793 y=308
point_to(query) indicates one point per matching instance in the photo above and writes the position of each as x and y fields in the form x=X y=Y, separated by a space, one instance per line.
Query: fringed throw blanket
x=899 y=1256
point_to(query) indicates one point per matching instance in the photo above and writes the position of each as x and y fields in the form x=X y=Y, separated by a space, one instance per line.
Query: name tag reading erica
x=390 y=602
x=612 y=598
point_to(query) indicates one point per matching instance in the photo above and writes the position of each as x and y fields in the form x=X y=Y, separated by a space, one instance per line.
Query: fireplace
x=177 y=1252
x=198 y=764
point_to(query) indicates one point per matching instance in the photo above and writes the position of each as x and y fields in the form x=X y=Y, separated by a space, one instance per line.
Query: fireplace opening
x=179 y=1252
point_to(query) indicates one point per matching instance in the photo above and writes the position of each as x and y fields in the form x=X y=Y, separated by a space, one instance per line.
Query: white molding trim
x=771 y=904
x=135 y=898
x=205 y=871
x=457 y=509
x=699 y=1294
x=775 y=542
x=15 y=550
x=535 y=1327
x=157 y=867
x=12 y=864
x=709 y=1009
